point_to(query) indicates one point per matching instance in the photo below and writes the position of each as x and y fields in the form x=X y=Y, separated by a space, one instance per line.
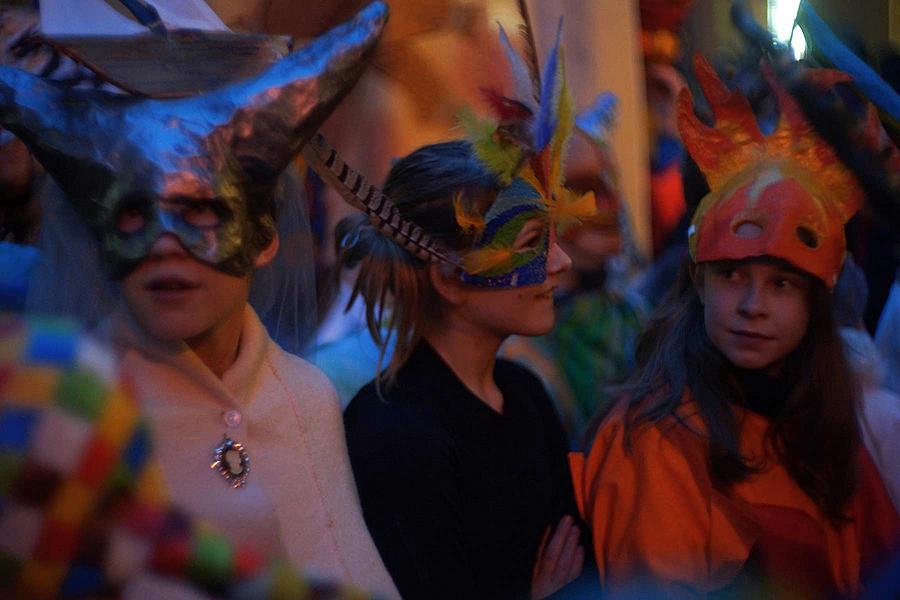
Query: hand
x=559 y=559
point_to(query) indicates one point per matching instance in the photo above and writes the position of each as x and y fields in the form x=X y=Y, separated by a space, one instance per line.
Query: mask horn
x=276 y=113
x=64 y=128
x=259 y=124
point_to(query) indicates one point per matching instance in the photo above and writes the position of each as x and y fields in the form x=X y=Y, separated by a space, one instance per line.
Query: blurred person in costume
x=458 y=455
x=179 y=195
x=887 y=337
x=591 y=346
x=879 y=412
x=661 y=21
x=733 y=463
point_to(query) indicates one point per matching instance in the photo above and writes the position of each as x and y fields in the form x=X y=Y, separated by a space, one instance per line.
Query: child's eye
x=527 y=242
x=790 y=283
x=728 y=273
x=529 y=236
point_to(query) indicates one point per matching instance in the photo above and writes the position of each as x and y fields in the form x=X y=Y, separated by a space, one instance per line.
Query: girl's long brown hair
x=815 y=435
x=395 y=286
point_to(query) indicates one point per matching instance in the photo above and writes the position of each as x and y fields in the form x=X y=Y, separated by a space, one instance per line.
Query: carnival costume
x=259 y=452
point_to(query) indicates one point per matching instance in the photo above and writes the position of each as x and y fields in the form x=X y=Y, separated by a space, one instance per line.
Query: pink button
x=233 y=418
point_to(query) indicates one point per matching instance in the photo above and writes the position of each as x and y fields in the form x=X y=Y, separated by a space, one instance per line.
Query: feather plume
x=468 y=220
x=486 y=259
x=597 y=120
x=572 y=209
x=565 y=122
x=526 y=31
x=522 y=77
x=546 y=117
x=500 y=157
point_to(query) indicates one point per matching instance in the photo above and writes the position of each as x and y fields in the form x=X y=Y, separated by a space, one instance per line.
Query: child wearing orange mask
x=734 y=463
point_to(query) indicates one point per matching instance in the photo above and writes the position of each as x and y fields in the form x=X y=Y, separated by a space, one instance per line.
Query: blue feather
x=520 y=73
x=550 y=86
x=597 y=120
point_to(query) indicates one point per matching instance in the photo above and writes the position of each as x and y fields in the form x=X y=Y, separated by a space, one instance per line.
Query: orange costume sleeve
x=656 y=520
x=659 y=525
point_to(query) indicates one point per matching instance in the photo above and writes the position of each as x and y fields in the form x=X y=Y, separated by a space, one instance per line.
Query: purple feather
x=520 y=73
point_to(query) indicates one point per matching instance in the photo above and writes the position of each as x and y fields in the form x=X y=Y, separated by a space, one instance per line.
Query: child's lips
x=167 y=283
x=751 y=335
x=548 y=292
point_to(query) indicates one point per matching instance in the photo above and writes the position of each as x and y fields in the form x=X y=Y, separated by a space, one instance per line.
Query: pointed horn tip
x=375 y=14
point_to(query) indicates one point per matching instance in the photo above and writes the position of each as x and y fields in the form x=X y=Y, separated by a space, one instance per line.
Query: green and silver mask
x=202 y=168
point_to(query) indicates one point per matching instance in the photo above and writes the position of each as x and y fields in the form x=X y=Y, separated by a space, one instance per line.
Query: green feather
x=499 y=157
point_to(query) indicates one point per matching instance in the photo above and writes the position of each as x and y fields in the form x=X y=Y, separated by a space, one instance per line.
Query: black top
x=456 y=495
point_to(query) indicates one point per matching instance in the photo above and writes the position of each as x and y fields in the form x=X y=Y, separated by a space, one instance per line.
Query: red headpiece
x=785 y=195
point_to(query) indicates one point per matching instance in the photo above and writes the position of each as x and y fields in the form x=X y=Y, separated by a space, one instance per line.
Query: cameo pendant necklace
x=232 y=462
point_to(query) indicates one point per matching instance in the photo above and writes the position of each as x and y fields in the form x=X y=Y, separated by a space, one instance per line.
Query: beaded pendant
x=232 y=462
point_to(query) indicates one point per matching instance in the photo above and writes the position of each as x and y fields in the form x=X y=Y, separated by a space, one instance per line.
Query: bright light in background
x=781 y=23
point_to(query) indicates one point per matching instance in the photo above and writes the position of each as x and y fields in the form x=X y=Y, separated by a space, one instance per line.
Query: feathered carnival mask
x=202 y=168
x=523 y=145
x=785 y=195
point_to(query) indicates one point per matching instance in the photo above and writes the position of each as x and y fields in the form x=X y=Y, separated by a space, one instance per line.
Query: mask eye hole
x=202 y=215
x=130 y=220
x=748 y=230
x=807 y=237
x=530 y=236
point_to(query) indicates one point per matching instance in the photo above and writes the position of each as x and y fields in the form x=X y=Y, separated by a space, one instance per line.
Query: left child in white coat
x=180 y=195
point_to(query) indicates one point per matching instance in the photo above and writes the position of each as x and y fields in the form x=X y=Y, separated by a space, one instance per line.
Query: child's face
x=526 y=310
x=174 y=296
x=756 y=312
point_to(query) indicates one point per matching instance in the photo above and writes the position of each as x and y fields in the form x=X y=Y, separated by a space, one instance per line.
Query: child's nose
x=753 y=302
x=557 y=260
x=167 y=244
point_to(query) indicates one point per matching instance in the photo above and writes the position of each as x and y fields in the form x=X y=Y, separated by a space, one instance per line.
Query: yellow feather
x=486 y=259
x=571 y=209
x=564 y=126
x=527 y=174
x=469 y=221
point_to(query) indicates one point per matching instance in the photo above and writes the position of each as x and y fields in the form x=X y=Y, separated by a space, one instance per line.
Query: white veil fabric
x=283 y=293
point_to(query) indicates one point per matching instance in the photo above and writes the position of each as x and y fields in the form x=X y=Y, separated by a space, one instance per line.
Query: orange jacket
x=659 y=524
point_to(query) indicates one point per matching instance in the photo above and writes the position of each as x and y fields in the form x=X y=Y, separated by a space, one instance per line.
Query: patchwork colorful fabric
x=83 y=509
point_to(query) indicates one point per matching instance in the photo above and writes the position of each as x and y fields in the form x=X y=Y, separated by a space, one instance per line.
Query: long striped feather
x=359 y=193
